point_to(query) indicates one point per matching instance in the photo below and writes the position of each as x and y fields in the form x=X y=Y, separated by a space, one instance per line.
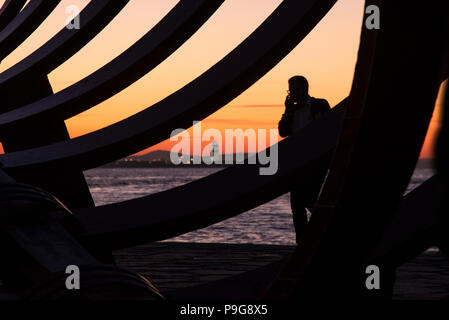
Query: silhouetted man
x=300 y=110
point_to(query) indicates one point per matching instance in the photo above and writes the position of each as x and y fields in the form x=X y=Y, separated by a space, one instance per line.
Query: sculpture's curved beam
x=261 y=51
x=399 y=244
x=93 y=18
x=160 y=42
x=9 y=10
x=379 y=145
x=25 y=23
x=412 y=228
x=214 y=198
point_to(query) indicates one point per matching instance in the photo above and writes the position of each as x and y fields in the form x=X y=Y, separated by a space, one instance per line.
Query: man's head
x=298 y=87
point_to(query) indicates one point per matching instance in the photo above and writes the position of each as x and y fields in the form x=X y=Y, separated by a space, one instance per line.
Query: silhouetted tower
x=214 y=151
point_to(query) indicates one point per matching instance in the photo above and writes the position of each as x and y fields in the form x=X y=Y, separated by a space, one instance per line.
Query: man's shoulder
x=321 y=104
x=319 y=100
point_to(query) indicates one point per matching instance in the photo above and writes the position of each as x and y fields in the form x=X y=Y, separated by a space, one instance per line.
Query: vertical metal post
x=68 y=185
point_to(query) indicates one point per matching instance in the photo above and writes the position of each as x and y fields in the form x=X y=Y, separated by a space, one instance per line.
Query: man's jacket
x=317 y=108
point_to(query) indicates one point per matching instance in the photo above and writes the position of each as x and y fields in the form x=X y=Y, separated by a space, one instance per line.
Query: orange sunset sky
x=326 y=57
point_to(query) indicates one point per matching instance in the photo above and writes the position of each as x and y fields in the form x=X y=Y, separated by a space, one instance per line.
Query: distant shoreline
x=142 y=164
x=163 y=159
x=136 y=164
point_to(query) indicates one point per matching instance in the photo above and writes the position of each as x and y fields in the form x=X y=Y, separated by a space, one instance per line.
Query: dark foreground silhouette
x=300 y=110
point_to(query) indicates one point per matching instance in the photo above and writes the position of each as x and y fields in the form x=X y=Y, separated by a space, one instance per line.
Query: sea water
x=270 y=223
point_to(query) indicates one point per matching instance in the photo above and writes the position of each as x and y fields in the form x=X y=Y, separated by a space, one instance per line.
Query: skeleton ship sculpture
x=47 y=216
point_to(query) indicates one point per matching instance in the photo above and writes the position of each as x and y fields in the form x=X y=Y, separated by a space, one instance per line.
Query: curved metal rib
x=397 y=244
x=159 y=43
x=25 y=23
x=9 y=10
x=216 y=197
x=93 y=18
x=261 y=51
x=410 y=232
